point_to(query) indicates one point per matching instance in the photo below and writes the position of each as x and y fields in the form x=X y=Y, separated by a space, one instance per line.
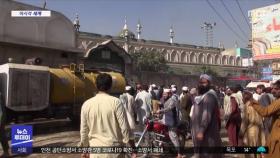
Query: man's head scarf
x=205 y=76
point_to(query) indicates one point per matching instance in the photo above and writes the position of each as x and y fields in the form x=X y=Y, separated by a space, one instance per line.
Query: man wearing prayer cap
x=205 y=119
x=143 y=102
x=185 y=101
x=185 y=89
x=173 y=90
x=173 y=86
x=166 y=90
x=157 y=92
x=127 y=88
x=152 y=91
x=175 y=96
x=169 y=112
x=129 y=106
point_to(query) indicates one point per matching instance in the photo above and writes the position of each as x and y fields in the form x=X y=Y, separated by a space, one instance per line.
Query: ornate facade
x=182 y=56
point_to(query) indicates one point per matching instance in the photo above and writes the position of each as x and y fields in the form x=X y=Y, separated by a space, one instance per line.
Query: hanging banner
x=266 y=32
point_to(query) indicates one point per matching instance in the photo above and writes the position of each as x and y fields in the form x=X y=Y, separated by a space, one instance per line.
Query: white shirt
x=256 y=96
x=143 y=102
x=103 y=122
x=130 y=111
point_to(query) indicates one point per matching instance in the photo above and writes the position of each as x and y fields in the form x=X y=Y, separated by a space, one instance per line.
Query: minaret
x=138 y=30
x=76 y=23
x=235 y=44
x=171 y=34
x=221 y=45
x=126 y=35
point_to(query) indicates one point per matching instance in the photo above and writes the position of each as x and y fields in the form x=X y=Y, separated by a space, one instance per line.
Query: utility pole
x=208 y=28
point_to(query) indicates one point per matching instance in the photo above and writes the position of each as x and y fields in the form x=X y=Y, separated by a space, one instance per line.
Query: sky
x=157 y=16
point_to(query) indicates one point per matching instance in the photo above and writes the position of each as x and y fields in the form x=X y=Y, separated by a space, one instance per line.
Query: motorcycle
x=158 y=134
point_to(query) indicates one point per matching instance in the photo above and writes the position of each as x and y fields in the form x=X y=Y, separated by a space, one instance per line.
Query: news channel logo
x=262 y=150
x=31 y=13
x=21 y=139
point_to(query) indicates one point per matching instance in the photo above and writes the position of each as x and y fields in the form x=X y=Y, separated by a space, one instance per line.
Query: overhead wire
x=225 y=22
x=243 y=14
x=234 y=20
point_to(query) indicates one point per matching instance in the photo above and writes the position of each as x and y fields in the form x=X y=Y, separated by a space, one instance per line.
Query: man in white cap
x=205 y=119
x=143 y=102
x=170 y=117
x=156 y=92
x=185 y=101
x=152 y=91
x=185 y=106
x=129 y=105
x=176 y=97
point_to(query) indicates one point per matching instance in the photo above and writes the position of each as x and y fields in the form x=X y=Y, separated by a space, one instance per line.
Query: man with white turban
x=170 y=117
x=185 y=103
x=205 y=118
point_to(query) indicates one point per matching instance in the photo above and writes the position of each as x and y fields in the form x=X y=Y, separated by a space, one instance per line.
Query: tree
x=207 y=70
x=149 y=61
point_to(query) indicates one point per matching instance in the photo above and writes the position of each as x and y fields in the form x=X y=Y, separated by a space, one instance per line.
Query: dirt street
x=61 y=133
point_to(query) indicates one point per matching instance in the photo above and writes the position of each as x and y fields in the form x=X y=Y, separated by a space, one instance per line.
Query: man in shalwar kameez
x=205 y=119
x=251 y=130
x=104 y=122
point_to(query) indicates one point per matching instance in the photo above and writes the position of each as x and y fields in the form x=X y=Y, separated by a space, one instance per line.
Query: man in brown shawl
x=272 y=110
x=251 y=130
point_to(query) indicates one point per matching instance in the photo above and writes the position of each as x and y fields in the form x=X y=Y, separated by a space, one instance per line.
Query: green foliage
x=149 y=61
x=208 y=70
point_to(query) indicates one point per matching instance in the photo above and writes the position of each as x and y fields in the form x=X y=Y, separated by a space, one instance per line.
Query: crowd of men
x=251 y=118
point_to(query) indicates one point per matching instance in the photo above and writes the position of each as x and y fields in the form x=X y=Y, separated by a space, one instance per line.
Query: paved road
x=62 y=133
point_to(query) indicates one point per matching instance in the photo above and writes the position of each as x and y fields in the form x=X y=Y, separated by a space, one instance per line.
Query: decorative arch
x=193 y=57
x=166 y=56
x=184 y=57
x=200 y=58
x=217 y=60
x=231 y=60
x=209 y=59
x=238 y=61
x=177 y=56
x=224 y=60
x=173 y=55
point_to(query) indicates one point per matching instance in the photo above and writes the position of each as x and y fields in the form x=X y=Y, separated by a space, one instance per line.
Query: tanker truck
x=32 y=91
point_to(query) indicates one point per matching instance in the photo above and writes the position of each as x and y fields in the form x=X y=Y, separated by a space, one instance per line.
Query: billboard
x=267 y=73
x=247 y=62
x=276 y=70
x=266 y=32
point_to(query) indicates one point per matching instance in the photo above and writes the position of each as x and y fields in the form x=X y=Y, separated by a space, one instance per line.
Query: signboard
x=267 y=73
x=21 y=139
x=247 y=62
x=276 y=66
x=276 y=77
x=266 y=32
